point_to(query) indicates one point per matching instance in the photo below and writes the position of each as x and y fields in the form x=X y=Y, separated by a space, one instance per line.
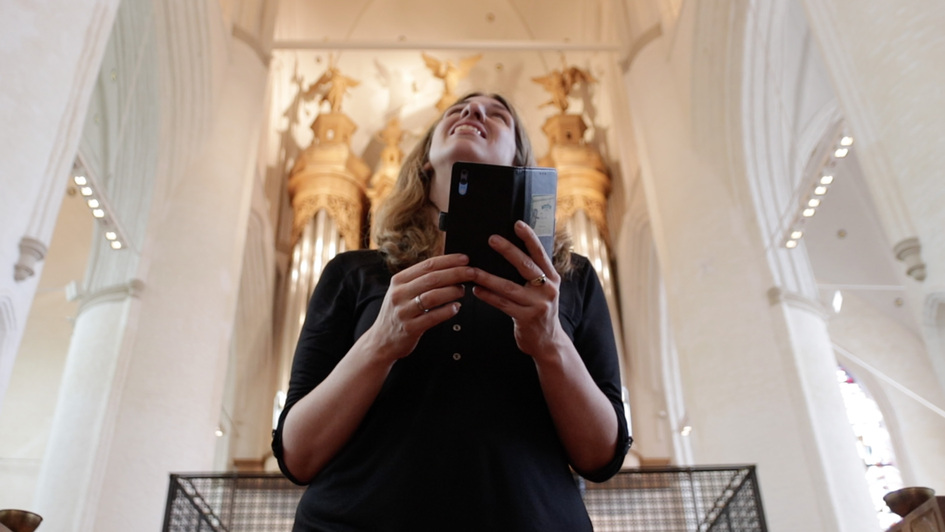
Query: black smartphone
x=488 y=199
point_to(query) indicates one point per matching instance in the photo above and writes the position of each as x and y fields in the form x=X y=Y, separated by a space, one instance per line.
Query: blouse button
x=457 y=356
x=457 y=327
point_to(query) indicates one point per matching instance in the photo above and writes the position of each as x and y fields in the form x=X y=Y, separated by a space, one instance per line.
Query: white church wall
x=181 y=357
x=49 y=61
x=147 y=401
x=703 y=258
x=119 y=157
x=749 y=393
x=655 y=420
x=251 y=377
x=883 y=62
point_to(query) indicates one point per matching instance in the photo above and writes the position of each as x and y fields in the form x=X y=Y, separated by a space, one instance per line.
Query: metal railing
x=677 y=499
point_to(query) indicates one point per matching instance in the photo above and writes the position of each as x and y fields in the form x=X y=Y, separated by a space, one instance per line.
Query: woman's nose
x=473 y=109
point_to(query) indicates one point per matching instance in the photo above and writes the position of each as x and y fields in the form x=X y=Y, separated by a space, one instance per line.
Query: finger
x=432 y=281
x=523 y=263
x=430 y=265
x=523 y=310
x=534 y=247
x=429 y=275
x=440 y=296
x=490 y=288
x=423 y=321
x=493 y=298
x=494 y=283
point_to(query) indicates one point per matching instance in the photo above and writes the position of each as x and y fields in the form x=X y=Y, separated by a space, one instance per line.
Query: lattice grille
x=719 y=499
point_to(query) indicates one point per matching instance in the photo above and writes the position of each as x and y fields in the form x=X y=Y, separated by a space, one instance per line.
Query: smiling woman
x=416 y=404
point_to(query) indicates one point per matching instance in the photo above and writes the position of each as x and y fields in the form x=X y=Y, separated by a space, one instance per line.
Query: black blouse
x=459 y=437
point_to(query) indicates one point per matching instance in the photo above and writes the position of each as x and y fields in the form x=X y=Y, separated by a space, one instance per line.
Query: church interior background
x=758 y=182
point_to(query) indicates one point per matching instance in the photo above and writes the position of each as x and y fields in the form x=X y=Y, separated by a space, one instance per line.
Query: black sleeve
x=594 y=340
x=326 y=336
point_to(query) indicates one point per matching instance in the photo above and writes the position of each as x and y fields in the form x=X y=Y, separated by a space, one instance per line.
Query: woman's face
x=479 y=129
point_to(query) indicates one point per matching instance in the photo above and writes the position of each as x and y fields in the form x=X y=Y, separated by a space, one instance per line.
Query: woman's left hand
x=532 y=306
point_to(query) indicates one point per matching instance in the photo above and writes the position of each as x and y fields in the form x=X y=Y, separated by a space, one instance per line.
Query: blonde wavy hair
x=405 y=227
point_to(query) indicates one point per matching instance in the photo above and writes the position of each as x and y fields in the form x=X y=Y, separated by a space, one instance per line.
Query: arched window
x=873 y=444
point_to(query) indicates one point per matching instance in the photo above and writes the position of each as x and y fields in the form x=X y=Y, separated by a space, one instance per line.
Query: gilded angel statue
x=560 y=83
x=335 y=86
x=450 y=73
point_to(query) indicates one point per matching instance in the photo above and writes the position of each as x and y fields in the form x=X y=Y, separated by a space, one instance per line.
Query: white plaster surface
x=743 y=383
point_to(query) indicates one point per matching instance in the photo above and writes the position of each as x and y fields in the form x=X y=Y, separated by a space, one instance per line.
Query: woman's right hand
x=420 y=297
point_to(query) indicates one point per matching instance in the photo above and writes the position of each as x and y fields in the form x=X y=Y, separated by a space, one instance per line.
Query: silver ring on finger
x=538 y=281
x=419 y=303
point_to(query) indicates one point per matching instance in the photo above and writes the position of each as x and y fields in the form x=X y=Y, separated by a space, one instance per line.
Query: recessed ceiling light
x=820 y=191
x=814 y=202
x=841 y=153
x=846 y=141
x=807 y=213
x=796 y=235
x=826 y=180
x=790 y=244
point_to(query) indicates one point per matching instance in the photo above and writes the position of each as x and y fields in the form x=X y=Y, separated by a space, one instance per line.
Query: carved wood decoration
x=583 y=182
x=329 y=176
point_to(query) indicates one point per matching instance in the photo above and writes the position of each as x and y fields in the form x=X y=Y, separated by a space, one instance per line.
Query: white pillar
x=843 y=490
x=71 y=475
x=49 y=56
x=155 y=403
x=753 y=390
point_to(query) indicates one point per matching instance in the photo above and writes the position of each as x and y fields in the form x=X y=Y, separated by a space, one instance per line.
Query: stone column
x=756 y=377
x=885 y=60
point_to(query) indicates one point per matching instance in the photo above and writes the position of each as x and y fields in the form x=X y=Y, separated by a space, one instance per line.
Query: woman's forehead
x=490 y=101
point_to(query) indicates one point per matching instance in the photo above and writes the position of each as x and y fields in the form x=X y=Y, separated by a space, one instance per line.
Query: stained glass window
x=873 y=444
